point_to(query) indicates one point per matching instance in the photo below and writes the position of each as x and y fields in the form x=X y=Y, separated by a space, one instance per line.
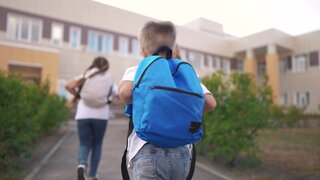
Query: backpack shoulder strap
x=109 y=96
x=124 y=170
x=101 y=70
x=193 y=162
x=142 y=68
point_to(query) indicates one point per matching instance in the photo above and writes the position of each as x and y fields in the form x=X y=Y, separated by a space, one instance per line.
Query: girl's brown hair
x=100 y=63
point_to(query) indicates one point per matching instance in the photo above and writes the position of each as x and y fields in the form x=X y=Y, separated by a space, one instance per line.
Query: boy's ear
x=175 y=53
x=143 y=52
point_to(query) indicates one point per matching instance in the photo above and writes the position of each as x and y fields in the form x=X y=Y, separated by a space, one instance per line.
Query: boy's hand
x=209 y=103
x=125 y=91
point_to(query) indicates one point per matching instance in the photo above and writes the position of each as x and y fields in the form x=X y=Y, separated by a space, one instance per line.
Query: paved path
x=60 y=163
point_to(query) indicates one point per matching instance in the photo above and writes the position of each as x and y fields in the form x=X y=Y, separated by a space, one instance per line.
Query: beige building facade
x=57 y=40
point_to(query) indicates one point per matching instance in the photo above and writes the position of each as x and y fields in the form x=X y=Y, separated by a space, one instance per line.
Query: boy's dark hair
x=156 y=34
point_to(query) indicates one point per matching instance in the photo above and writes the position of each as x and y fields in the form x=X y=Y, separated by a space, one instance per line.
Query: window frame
x=123 y=49
x=106 y=48
x=18 y=28
x=135 y=48
x=217 y=63
x=226 y=65
x=62 y=34
x=299 y=99
x=283 y=66
x=198 y=65
x=78 y=40
x=283 y=100
x=210 y=59
x=297 y=63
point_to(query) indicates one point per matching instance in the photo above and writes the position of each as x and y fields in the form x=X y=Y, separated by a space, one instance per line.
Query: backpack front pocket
x=169 y=114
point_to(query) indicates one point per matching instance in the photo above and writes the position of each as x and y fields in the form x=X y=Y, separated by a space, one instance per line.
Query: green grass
x=294 y=150
x=305 y=137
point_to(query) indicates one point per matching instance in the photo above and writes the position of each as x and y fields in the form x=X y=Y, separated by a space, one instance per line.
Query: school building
x=57 y=40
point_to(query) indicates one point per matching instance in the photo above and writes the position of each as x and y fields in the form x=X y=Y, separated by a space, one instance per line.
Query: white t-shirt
x=86 y=112
x=134 y=142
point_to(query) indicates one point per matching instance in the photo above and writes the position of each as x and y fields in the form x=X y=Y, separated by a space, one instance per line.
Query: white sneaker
x=81 y=169
x=96 y=178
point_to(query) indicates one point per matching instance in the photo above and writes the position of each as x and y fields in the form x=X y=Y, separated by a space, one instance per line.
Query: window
x=195 y=59
x=75 y=37
x=100 y=42
x=135 y=51
x=24 y=28
x=240 y=65
x=300 y=63
x=283 y=66
x=216 y=63
x=314 y=58
x=283 y=99
x=123 y=46
x=261 y=68
x=183 y=54
x=109 y=43
x=209 y=62
x=35 y=31
x=56 y=34
x=226 y=65
x=31 y=73
x=61 y=88
x=233 y=64
x=13 y=27
x=301 y=99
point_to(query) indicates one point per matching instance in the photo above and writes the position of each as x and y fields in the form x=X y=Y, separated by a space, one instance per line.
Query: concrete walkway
x=60 y=162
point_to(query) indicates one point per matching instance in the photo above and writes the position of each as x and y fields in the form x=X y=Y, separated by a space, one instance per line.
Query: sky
x=238 y=17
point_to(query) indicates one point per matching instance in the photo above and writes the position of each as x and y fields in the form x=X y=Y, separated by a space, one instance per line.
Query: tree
x=243 y=109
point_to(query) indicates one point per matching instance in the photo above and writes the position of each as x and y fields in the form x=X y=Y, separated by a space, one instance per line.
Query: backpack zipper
x=176 y=90
x=144 y=71
x=175 y=72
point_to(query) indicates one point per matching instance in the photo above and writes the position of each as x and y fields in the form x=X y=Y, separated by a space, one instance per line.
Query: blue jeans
x=154 y=163
x=91 y=133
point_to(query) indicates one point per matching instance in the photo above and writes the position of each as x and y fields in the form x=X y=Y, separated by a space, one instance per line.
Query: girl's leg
x=98 y=131
x=85 y=139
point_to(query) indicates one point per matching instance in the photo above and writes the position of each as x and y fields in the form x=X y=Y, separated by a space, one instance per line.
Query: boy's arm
x=126 y=85
x=125 y=91
x=209 y=103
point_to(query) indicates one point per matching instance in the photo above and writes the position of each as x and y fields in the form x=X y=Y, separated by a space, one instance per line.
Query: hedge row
x=27 y=112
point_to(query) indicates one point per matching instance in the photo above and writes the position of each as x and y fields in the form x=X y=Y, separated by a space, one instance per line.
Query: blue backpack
x=167 y=102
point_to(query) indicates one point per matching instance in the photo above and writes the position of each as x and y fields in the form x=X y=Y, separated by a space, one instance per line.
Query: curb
x=45 y=159
x=211 y=171
x=57 y=145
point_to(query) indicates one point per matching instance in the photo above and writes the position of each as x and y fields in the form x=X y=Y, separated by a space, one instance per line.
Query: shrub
x=243 y=109
x=27 y=112
x=291 y=115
